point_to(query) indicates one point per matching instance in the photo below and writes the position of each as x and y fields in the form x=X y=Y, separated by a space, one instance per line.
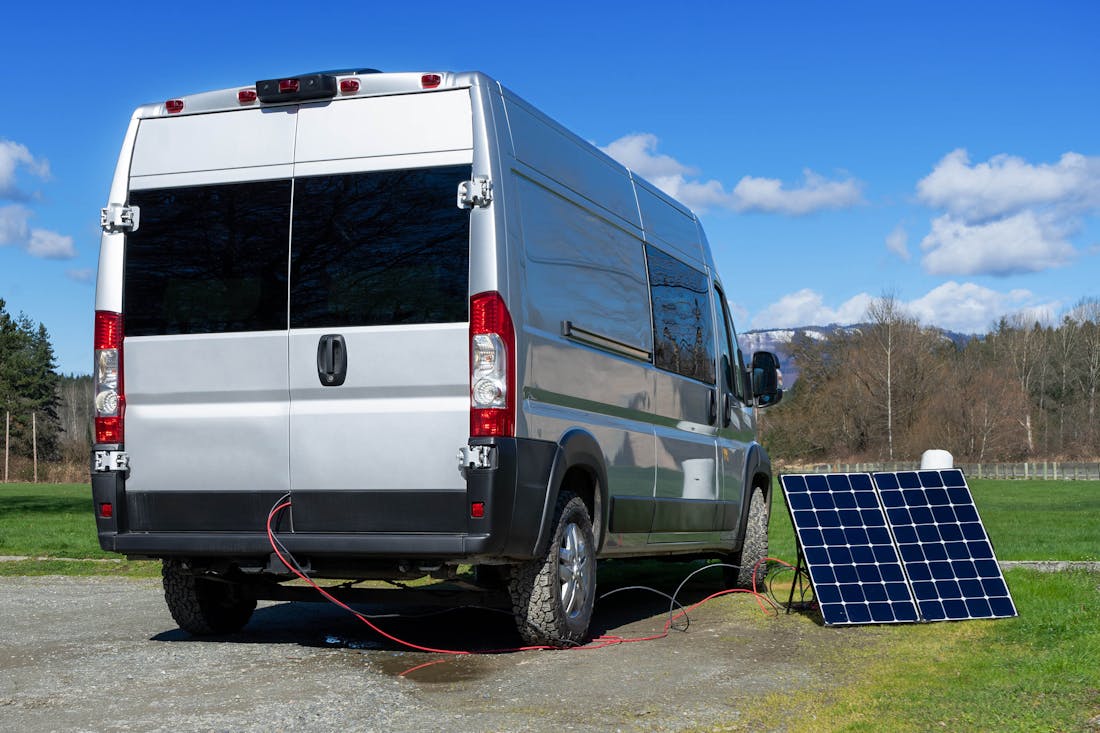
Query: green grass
x=1026 y=520
x=109 y=568
x=1031 y=673
x=52 y=520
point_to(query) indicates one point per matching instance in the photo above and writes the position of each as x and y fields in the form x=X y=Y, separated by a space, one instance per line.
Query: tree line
x=890 y=389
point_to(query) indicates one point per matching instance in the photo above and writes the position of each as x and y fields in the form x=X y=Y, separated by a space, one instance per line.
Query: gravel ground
x=103 y=654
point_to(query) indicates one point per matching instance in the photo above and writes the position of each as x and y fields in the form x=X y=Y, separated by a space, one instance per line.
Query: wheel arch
x=579 y=467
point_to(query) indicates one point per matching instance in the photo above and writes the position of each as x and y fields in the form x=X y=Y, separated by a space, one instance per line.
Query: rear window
x=378 y=248
x=208 y=259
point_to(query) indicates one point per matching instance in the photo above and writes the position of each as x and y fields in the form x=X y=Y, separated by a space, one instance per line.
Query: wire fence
x=1050 y=470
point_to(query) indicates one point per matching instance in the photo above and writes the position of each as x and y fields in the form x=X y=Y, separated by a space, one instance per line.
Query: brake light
x=287 y=86
x=492 y=367
x=349 y=86
x=110 y=398
x=430 y=81
x=174 y=106
x=246 y=96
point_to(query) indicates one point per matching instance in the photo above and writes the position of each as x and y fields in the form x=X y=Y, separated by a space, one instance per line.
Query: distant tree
x=28 y=384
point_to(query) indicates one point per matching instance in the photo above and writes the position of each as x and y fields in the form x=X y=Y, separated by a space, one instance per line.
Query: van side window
x=379 y=248
x=683 y=329
x=208 y=259
x=731 y=355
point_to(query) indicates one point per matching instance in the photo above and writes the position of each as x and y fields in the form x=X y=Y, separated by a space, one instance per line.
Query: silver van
x=442 y=328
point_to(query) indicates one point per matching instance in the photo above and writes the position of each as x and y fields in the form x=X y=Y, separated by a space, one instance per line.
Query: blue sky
x=945 y=153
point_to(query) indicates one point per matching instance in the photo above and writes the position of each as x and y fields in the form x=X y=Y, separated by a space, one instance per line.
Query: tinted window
x=683 y=331
x=208 y=259
x=386 y=247
x=730 y=362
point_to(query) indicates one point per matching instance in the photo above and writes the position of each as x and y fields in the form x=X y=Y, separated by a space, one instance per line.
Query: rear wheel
x=750 y=560
x=552 y=597
x=203 y=606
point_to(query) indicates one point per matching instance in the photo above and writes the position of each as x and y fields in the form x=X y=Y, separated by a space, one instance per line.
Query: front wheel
x=553 y=596
x=751 y=567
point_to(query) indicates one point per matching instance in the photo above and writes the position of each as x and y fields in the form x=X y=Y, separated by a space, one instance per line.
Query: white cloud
x=816 y=193
x=13 y=224
x=638 y=152
x=15 y=230
x=1006 y=184
x=50 y=245
x=971 y=308
x=807 y=308
x=12 y=156
x=1006 y=216
x=963 y=307
x=897 y=242
x=1024 y=242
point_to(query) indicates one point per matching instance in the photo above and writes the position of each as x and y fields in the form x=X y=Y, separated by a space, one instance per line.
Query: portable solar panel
x=895 y=547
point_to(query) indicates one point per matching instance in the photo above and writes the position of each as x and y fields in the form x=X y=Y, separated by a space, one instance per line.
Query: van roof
x=318 y=85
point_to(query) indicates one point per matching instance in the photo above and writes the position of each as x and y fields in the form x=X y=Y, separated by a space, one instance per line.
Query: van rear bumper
x=353 y=524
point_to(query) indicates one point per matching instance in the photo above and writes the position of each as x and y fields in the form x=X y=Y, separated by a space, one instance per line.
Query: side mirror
x=767 y=380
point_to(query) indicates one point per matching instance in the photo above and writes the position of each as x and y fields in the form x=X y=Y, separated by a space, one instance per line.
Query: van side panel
x=562 y=156
x=583 y=267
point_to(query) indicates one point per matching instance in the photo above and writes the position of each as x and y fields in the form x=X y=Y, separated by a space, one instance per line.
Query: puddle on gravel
x=434 y=669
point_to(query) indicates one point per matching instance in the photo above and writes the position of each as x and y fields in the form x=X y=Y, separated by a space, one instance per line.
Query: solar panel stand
x=798 y=570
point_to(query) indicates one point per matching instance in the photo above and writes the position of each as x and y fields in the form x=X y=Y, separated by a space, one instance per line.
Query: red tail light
x=287 y=86
x=247 y=96
x=110 y=397
x=174 y=106
x=349 y=86
x=430 y=81
x=492 y=367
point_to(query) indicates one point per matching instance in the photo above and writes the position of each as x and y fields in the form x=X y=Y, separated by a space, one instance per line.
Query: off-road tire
x=202 y=606
x=543 y=616
x=753 y=550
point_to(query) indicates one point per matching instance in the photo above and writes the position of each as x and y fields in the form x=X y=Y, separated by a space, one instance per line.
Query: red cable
x=599 y=642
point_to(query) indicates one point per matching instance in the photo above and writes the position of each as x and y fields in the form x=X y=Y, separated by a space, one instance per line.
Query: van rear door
x=204 y=307
x=379 y=294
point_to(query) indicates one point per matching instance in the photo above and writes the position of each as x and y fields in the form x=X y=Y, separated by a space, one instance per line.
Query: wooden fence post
x=34 y=443
x=7 y=430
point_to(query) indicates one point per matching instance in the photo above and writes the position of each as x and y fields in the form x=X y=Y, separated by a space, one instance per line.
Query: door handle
x=332 y=360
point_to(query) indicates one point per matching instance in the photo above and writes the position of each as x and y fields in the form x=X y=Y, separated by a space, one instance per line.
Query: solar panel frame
x=944 y=546
x=864 y=537
x=848 y=549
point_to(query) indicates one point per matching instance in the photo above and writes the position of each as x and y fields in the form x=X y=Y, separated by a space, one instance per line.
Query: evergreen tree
x=28 y=384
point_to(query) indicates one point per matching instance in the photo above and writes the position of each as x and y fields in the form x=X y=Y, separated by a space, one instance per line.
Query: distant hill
x=778 y=340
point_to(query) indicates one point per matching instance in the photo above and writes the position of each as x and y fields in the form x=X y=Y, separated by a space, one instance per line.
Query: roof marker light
x=349 y=86
x=430 y=81
x=288 y=85
x=174 y=106
x=246 y=96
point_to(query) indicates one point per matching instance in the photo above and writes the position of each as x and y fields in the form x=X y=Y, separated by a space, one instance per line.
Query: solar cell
x=895 y=547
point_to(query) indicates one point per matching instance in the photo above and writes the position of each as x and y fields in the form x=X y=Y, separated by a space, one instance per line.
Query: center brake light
x=297 y=88
x=110 y=397
x=492 y=367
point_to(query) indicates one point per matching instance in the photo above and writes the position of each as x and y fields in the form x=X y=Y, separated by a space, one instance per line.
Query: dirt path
x=103 y=654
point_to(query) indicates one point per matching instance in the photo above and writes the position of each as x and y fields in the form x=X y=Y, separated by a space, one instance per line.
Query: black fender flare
x=757 y=462
x=576 y=448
